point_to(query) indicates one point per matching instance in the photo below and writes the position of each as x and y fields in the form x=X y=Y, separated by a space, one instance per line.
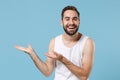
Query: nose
x=71 y=21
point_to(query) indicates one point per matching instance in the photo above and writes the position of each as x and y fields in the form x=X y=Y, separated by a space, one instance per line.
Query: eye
x=67 y=18
x=75 y=18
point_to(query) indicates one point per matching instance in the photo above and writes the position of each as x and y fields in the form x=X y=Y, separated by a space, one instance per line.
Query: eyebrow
x=69 y=17
x=75 y=17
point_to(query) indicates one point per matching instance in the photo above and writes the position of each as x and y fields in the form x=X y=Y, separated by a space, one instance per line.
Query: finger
x=17 y=47
x=20 y=48
x=29 y=46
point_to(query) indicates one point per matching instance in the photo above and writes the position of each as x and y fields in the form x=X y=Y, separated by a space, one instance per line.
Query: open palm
x=28 y=50
x=54 y=55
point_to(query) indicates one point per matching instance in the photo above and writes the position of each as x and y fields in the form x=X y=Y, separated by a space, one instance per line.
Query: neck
x=72 y=38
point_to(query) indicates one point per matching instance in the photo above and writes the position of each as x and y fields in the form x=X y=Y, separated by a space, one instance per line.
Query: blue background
x=37 y=21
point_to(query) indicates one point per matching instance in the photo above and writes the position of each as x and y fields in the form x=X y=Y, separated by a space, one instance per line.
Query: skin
x=70 y=22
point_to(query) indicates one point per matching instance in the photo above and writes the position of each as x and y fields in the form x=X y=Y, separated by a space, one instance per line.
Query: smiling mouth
x=71 y=27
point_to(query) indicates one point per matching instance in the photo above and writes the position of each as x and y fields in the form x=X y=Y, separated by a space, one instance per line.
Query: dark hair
x=69 y=8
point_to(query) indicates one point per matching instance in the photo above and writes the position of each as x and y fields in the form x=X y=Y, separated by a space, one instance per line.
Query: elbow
x=47 y=74
x=84 y=76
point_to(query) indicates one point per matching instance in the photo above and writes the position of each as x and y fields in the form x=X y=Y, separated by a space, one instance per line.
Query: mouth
x=71 y=27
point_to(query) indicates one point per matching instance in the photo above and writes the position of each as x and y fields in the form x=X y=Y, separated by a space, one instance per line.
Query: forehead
x=70 y=13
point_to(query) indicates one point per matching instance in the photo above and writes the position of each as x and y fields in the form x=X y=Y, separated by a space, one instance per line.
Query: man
x=71 y=53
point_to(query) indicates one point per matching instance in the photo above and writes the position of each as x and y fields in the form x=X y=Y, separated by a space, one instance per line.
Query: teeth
x=71 y=27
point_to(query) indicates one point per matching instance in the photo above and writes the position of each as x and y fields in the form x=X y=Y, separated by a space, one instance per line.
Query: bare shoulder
x=51 y=45
x=89 y=46
x=90 y=42
x=52 y=41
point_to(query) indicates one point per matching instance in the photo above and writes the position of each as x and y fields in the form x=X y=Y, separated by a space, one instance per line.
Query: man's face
x=70 y=22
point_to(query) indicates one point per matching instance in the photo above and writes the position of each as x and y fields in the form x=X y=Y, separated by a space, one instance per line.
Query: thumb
x=29 y=46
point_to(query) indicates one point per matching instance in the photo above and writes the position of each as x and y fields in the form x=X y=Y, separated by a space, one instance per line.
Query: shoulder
x=51 y=44
x=89 y=45
x=90 y=41
x=52 y=41
x=87 y=40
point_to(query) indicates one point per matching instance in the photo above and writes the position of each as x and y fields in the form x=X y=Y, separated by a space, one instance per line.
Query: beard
x=71 y=32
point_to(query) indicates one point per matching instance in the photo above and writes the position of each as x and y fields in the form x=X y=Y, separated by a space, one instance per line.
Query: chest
x=73 y=54
x=69 y=44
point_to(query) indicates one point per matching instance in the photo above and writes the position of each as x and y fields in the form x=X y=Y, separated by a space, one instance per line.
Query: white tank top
x=73 y=54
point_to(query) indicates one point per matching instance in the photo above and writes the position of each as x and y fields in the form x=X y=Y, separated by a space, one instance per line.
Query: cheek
x=64 y=24
x=77 y=23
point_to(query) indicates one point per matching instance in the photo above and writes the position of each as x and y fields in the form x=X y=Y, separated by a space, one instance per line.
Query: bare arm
x=45 y=67
x=87 y=61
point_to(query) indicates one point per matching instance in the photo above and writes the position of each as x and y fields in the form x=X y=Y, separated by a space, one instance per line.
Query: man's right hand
x=28 y=50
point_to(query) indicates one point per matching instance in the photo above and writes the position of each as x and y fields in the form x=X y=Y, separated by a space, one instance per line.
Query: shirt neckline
x=73 y=45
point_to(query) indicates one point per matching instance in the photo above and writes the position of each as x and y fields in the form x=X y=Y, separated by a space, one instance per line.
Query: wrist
x=32 y=54
x=60 y=57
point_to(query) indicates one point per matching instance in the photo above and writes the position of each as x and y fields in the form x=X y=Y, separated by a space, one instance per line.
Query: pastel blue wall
x=37 y=21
